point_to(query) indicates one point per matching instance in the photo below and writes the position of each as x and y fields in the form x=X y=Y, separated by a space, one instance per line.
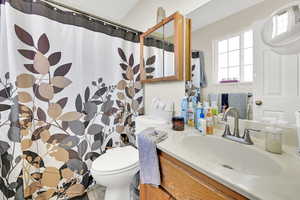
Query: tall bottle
x=191 y=115
x=184 y=108
x=202 y=122
x=209 y=123
x=195 y=106
x=197 y=115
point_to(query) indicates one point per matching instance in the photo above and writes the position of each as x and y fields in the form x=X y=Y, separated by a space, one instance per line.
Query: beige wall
x=202 y=39
x=142 y=18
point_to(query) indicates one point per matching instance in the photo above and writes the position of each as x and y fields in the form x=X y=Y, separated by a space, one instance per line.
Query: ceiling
x=202 y=12
x=113 y=10
x=216 y=10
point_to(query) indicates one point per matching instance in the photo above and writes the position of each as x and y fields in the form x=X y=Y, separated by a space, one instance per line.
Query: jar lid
x=274 y=130
x=178 y=119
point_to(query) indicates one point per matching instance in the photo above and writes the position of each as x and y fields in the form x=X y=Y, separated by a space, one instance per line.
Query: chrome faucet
x=235 y=113
x=245 y=139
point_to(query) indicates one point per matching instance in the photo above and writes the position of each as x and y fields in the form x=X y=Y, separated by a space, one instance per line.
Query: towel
x=203 y=81
x=239 y=101
x=200 y=76
x=224 y=103
x=149 y=163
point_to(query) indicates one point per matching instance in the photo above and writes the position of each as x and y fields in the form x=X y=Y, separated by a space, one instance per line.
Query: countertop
x=282 y=186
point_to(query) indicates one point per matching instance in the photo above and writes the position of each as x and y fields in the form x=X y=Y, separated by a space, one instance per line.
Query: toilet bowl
x=115 y=169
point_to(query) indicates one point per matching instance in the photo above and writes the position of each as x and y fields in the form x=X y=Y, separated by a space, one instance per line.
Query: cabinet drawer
x=185 y=183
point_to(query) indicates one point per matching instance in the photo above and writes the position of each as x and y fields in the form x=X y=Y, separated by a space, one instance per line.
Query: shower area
x=69 y=90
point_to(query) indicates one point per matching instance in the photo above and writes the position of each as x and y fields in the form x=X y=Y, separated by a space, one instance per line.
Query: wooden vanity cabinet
x=181 y=182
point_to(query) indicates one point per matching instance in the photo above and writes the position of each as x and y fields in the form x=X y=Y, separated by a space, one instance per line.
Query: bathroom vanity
x=195 y=167
x=193 y=184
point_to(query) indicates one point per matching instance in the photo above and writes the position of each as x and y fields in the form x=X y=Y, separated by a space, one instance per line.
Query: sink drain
x=228 y=167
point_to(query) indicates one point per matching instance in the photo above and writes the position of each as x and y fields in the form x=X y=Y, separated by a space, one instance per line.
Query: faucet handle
x=254 y=130
x=227 y=130
x=247 y=137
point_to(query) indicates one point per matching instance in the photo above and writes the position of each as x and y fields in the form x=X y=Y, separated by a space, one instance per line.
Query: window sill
x=233 y=84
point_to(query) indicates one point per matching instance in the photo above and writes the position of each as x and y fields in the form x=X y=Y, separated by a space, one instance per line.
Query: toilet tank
x=145 y=121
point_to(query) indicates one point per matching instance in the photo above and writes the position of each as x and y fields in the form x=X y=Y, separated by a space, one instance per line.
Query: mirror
x=261 y=81
x=169 y=51
x=194 y=83
x=197 y=67
x=162 y=51
x=281 y=31
x=154 y=54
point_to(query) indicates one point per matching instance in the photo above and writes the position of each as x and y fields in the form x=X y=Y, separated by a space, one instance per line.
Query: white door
x=276 y=82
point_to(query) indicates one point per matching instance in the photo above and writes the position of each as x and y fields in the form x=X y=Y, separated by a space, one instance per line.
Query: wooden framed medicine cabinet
x=162 y=51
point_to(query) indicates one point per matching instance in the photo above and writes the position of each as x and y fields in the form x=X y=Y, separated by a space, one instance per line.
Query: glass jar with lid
x=274 y=140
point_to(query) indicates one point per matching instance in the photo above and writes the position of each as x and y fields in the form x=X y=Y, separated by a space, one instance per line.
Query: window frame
x=215 y=57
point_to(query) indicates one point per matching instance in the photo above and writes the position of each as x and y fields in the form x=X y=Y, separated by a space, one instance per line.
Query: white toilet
x=116 y=168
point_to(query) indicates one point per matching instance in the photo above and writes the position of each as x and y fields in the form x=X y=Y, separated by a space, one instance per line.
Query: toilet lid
x=116 y=159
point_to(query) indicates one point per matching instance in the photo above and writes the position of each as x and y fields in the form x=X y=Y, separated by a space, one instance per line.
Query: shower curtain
x=69 y=90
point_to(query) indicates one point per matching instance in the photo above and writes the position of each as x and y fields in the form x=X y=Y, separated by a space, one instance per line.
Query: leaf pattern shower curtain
x=70 y=88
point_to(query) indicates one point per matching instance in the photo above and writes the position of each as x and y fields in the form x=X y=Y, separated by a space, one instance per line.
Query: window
x=234 y=58
x=280 y=24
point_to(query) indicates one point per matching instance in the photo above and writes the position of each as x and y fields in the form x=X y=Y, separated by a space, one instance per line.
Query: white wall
x=202 y=39
x=142 y=17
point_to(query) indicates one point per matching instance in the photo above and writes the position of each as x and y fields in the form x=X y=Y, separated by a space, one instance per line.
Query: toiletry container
x=195 y=106
x=201 y=122
x=215 y=112
x=206 y=107
x=191 y=116
x=197 y=115
x=203 y=126
x=298 y=128
x=184 y=108
x=178 y=123
x=209 y=123
x=274 y=139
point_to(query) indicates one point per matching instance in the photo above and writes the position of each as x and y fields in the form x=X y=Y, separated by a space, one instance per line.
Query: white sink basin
x=231 y=155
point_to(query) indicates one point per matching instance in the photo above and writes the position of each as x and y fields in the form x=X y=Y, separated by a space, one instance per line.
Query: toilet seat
x=116 y=160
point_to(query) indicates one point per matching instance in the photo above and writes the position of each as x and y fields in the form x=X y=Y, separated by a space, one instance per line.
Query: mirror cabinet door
x=162 y=51
x=169 y=50
x=154 y=54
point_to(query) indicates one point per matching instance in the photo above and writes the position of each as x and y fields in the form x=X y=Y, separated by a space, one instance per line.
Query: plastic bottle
x=215 y=112
x=197 y=115
x=204 y=127
x=210 y=123
x=202 y=122
x=206 y=107
x=191 y=116
x=184 y=108
x=195 y=105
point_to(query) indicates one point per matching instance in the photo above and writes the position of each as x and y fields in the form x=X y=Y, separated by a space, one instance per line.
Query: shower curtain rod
x=91 y=16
